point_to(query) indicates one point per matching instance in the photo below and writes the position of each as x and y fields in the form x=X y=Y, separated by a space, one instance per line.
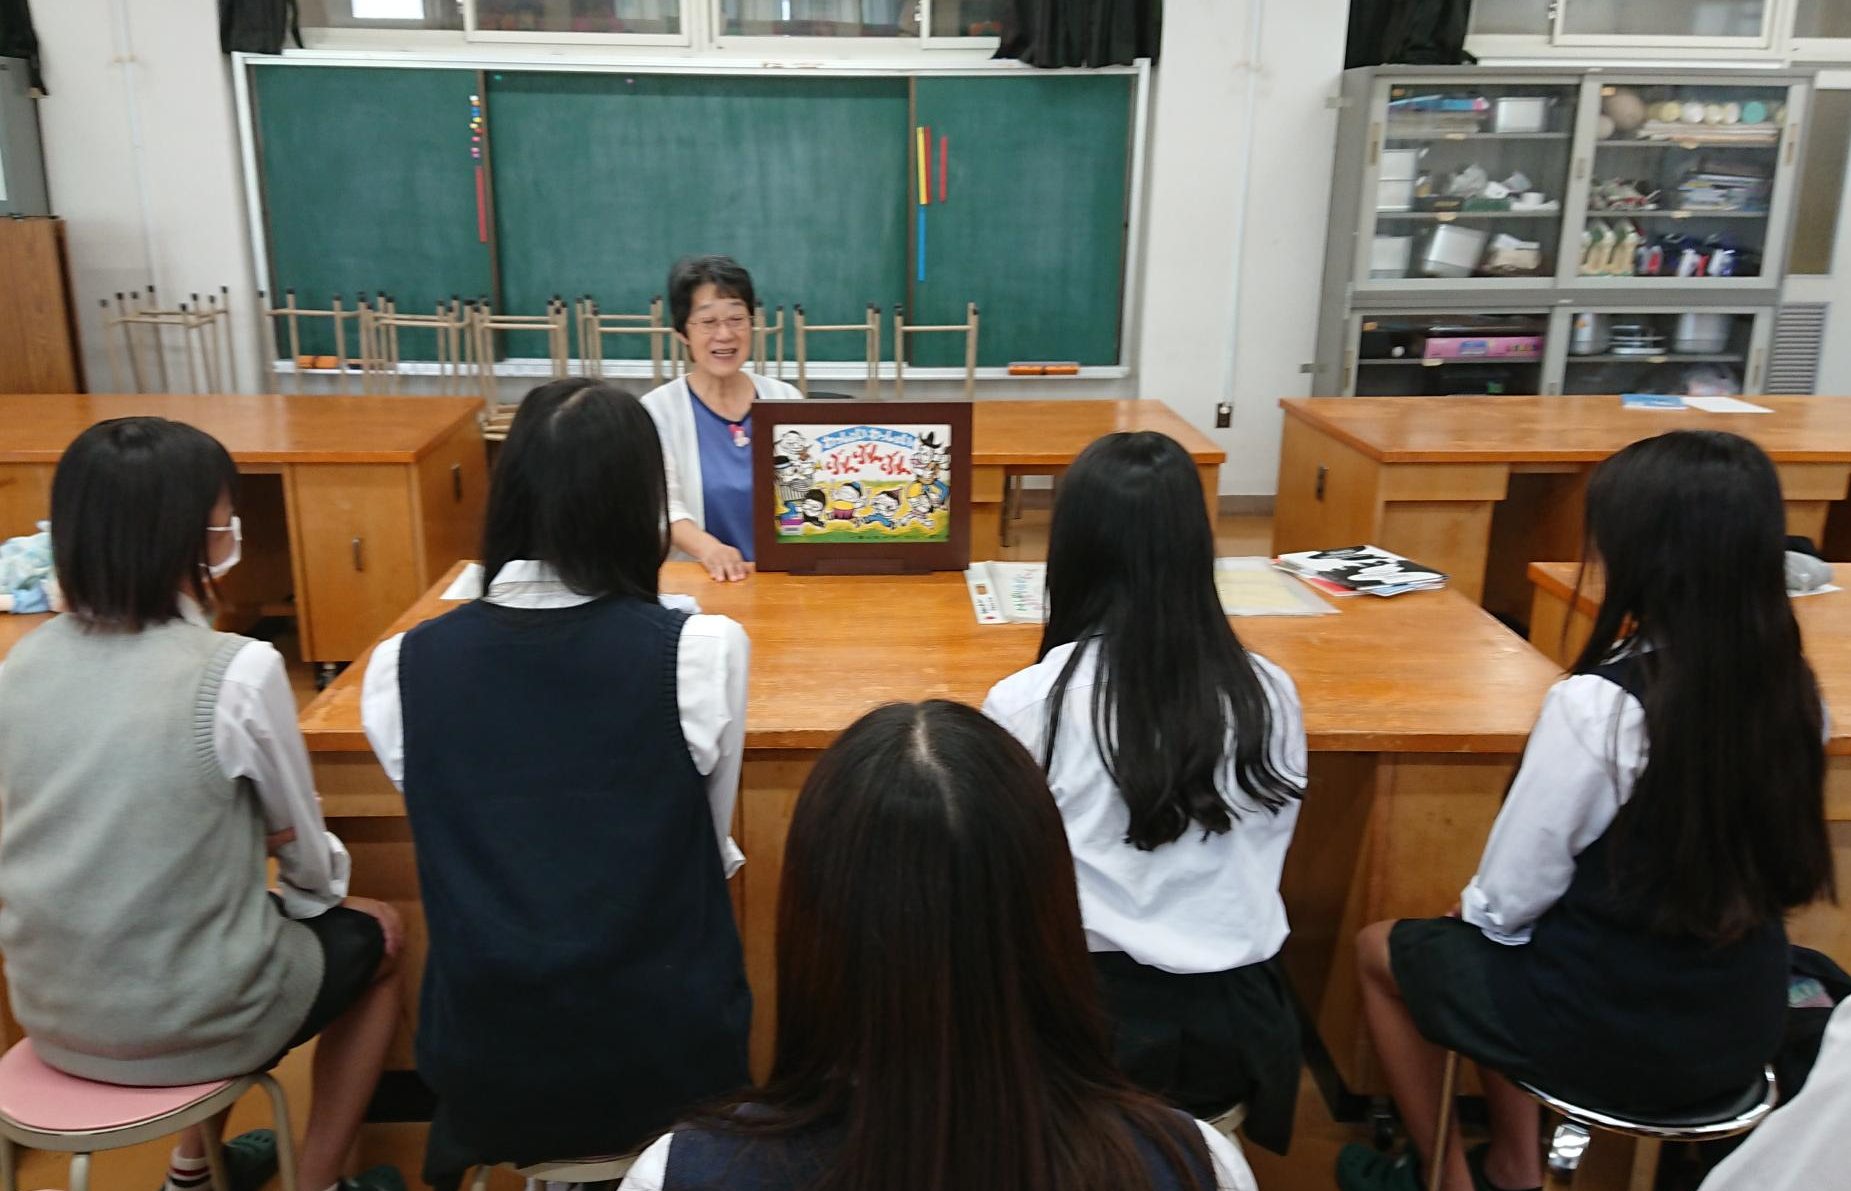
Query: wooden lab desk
x=351 y=505
x=1482 y=486
x=1560 y=629
x=1041 y=438
x=1416 y=710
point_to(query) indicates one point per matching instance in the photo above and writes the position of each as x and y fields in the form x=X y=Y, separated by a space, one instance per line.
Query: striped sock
x=187 y=1174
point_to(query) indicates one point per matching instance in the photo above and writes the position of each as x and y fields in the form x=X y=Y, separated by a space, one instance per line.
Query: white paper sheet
x=1725 y=405
x=388 y=10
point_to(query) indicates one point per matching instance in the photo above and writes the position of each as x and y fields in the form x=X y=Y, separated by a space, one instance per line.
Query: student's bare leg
x=1515 y=1158
x=349 y=1056
x=1413 y=1066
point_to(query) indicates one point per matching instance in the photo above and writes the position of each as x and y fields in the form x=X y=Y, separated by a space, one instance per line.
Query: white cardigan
x=681 y=450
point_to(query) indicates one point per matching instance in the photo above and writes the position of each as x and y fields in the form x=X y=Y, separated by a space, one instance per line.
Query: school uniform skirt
x=1208 y=1041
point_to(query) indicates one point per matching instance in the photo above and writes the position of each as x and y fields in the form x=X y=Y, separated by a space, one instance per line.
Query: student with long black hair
x=938 y=1024
x=1177 y=759
x=569 y=749
x=1622 y=943
x=147 y=765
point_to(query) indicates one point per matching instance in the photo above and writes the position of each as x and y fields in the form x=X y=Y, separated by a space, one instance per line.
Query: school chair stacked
x=45 y=1109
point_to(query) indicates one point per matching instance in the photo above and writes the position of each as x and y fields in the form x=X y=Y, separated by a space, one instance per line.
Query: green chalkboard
x=1033 y=228
x=603 y=180
x=368 y=184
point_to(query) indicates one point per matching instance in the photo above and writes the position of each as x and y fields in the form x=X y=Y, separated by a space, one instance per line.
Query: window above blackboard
x=825 y=28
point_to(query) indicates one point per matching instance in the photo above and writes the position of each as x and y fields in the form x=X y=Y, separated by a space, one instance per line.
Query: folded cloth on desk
x=27 y=580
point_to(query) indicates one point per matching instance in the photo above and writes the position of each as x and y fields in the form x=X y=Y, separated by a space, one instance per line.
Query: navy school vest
x=1636 y=1020
x=585 y=982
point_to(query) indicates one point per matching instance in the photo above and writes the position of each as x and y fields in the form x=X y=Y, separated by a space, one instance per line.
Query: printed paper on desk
x=1251 y=587
x=1008 y=592
x=1725 y=405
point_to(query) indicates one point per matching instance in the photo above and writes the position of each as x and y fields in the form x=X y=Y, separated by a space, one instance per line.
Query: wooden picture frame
x=861 y=487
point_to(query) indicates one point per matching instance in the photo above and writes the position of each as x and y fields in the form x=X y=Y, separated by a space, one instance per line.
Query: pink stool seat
x=39 y=1097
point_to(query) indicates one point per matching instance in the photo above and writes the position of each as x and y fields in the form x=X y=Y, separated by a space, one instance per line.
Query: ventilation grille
x=1799 y=338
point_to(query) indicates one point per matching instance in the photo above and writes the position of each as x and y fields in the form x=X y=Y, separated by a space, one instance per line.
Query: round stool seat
x=39 y=1097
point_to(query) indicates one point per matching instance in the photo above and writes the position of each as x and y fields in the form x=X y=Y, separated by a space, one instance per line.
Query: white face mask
x=219 y=570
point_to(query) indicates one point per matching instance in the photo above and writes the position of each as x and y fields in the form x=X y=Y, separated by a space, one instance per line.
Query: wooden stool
x=45 y=1109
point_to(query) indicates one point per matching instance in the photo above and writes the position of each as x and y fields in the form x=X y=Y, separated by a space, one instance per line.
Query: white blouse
x=1201 y=903
x=681 y=451
x=710 y=691
x=255 y=736
x=1231 y=1170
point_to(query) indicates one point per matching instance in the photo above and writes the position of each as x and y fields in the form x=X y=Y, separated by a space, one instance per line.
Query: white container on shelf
x=1400 y=163
x=1394 y=194
x=1453 y=251
x=1389 y=257
x=1520 y=113
x=1701 y=333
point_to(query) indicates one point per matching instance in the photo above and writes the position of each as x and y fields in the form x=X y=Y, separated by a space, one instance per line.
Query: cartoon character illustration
x=928 y=462
x=793 y=477
x=793 y=444
x=884 y=505
x=814 y=505
x=920 y=509
x=849 y=503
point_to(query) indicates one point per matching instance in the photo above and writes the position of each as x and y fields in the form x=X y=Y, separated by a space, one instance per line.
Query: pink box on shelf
x=1489 y=347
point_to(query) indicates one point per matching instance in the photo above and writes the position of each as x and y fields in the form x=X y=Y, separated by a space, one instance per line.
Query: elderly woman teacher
x=705 y=417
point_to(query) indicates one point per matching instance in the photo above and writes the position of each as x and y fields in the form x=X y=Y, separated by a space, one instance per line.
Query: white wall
x=111 y=65
x=1227 y=314
x=1230 y=311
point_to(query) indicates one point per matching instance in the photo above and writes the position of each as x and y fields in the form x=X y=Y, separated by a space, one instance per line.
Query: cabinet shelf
x=1453 y=216
x=1389 y=134
x=1676 y=213
x=1662 y=358
x=1692 y=143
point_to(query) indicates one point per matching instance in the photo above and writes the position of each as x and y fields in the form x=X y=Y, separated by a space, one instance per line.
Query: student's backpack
x=1415 y=32
x=257 y=26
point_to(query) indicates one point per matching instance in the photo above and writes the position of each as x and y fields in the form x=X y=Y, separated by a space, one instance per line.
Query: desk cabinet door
x=357 y=564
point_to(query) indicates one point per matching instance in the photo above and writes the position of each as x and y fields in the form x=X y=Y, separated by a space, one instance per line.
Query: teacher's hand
x=724 y=563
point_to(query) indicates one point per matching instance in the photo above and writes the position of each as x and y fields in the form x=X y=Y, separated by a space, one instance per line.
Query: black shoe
x=376 y=1178
x=1475 y=1162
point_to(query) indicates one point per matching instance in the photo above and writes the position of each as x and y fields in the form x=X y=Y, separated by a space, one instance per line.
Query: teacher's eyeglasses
x=736 y=323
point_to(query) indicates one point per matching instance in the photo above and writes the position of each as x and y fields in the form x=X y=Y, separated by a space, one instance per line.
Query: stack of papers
x=1012 y=592
x=1358 y=570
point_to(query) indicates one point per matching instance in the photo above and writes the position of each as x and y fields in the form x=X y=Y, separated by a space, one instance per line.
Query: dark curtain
x=1081 y=32
x=257 y=26
x=17 y=39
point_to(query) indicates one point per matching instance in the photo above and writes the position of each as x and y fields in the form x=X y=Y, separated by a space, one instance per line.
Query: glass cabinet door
x=1469 y=182
x=1693 y=353
x=1683 y=184
x=1447 y=354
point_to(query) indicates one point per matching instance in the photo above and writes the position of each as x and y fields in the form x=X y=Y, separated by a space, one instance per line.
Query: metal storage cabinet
x=1619 y=198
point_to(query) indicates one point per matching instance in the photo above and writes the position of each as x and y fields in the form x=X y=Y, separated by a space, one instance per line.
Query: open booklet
x=1012 y=592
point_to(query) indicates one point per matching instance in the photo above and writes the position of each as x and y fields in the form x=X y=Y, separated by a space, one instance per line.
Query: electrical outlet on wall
x=1224 y=416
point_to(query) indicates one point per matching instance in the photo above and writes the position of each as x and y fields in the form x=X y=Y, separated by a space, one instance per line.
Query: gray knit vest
x=141 y=947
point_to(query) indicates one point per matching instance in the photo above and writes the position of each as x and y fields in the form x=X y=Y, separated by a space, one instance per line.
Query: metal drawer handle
x=359 y=555
x=456 y=480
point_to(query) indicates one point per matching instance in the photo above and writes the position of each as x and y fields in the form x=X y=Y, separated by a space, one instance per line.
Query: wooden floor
x=1308 y=1168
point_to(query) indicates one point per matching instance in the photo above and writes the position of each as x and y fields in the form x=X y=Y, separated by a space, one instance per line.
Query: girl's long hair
x=1131 y=578
x=938 y=1016
x=1728 y=814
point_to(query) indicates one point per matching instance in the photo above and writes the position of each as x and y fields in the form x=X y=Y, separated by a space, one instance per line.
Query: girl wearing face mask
x=705 y=417
x=147 y=766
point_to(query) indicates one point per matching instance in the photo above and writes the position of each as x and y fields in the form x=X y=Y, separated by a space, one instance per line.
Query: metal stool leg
x=80 y=1172
x=1645 y=1152
x=212 y=1130
x=1436 y=1161
x=480 y=1182
x=1566 y=1149
x=285 y=1136
x=9 y=1176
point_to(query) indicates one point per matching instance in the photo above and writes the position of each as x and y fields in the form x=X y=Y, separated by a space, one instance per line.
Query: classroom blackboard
x=603 y=180
x=368 y=184
x=598 y=181
x=1034 y=222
